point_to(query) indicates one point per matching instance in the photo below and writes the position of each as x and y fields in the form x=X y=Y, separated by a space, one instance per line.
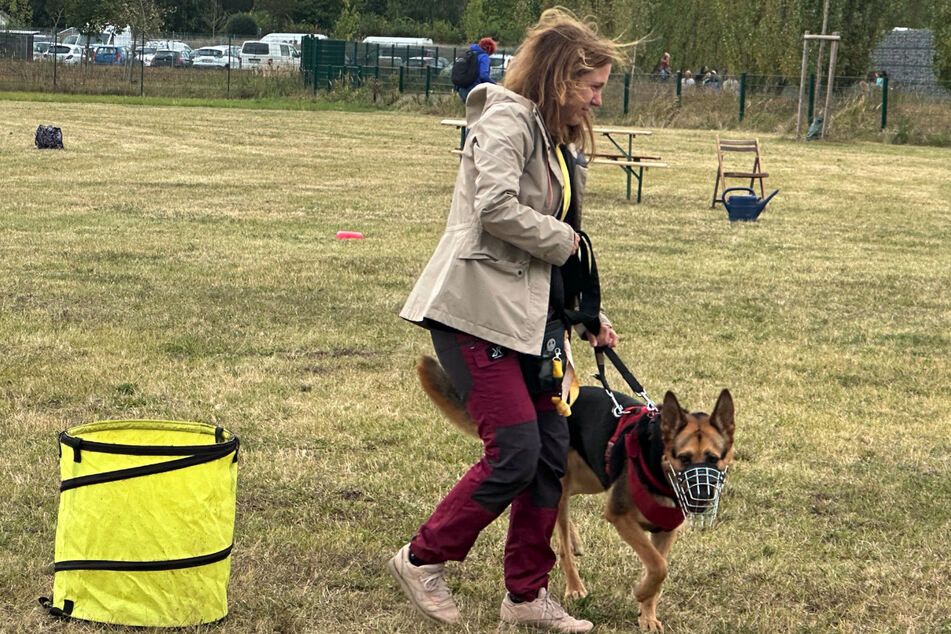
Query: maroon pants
x=525 y=442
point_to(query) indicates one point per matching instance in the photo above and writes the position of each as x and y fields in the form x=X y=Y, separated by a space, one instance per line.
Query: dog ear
x=722 y=417
x=671 y=419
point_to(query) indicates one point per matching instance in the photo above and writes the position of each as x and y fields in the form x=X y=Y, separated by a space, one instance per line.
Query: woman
x=492 y=287
x=484 y=48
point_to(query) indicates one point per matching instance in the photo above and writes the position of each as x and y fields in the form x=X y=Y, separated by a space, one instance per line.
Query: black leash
x=599 y=354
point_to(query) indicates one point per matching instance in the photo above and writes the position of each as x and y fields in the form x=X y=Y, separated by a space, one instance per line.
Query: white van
x=257 y=54
x=398 y=41
x=294 y=39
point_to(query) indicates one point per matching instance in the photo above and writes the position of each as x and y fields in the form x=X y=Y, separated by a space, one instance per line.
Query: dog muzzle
x=698 y=489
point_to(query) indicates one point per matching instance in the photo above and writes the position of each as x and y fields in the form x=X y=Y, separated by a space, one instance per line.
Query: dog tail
x=439 y=388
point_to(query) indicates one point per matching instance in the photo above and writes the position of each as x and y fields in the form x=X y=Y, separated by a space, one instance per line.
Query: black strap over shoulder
x=578 y=295
x=582 y=287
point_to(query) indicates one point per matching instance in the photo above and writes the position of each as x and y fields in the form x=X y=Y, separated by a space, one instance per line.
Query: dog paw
x=649 y=624
x=576 y=592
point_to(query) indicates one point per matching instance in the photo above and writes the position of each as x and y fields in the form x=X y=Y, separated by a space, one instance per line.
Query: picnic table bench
x=624 y=157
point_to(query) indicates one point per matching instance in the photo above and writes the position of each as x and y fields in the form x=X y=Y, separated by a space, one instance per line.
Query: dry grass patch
x=181 y=263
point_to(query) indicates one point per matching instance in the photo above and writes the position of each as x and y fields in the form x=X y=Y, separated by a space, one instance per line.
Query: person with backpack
x=497 y=296
x=472 y=69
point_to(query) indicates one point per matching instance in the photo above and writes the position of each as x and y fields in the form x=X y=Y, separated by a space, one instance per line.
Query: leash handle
x=629 y=378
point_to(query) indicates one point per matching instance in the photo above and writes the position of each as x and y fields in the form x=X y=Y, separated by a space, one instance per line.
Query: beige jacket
x=490 y=275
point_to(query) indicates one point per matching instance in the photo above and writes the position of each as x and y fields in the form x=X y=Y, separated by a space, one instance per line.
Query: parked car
x=436 y=63
x=145 y=54
x=111 y=55
x=389 y=61
x=263 y=55
x=170 y=45
x=65 y=53
x=175 y=59
x=40 y=48
x=217 y=57
x=498 y=64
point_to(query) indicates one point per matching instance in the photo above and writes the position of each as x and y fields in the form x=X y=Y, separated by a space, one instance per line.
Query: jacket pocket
x=518 y=269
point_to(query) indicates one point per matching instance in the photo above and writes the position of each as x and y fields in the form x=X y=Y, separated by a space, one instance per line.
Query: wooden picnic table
x=624 y=156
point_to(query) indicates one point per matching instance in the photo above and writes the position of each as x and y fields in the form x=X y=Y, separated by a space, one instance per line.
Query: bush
x=242 y=24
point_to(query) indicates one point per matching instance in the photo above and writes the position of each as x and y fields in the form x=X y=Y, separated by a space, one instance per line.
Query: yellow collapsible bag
x=146 y=523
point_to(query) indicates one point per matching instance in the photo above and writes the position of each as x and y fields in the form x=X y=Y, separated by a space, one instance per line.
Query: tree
x=214 y=16
x=345 y=28
x=942 y=41
x=19 y=11
x=143 y=17
x=322 y=13
x=92 y=16
x=47 y=12
x=183 y=16
x=242 y=24
x=491 y=18
x=473 y=20
x=281 y=12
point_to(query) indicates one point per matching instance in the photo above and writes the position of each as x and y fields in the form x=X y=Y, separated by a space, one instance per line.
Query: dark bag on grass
x=465 y=70
x=48 y=138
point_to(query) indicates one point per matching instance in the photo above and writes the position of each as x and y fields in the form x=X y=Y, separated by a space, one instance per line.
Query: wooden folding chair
x=754 y=174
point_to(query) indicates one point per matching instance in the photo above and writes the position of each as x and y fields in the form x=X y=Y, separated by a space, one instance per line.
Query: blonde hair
x=549 y=63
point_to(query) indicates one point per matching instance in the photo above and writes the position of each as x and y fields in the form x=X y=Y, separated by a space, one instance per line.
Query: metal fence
x=383 y=73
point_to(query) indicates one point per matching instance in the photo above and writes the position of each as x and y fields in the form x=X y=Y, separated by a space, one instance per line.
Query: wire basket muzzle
x=698 y=489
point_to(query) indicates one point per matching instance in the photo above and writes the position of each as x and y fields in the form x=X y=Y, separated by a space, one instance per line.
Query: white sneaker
x=544 y=612
x=425 y=587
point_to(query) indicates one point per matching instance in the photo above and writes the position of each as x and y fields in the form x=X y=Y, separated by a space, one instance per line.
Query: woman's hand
x=574 y=249
x=606 y=337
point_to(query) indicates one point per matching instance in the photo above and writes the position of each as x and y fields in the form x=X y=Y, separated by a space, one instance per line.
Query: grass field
x=181 y=263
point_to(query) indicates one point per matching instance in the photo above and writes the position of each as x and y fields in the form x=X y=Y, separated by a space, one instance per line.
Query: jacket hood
x=484 y=96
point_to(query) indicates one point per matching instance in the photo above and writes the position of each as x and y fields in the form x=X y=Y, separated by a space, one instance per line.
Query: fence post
x=627 y=91
x=812 y=97
x=680 y=75
x=55 y=44
x=228 y=89
x=884 y=101
x=429 y=73
x=401 y=79
x=742 y=95
x=142 y=68
x=314 y=62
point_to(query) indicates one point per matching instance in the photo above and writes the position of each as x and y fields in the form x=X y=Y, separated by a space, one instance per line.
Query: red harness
x=667 y=518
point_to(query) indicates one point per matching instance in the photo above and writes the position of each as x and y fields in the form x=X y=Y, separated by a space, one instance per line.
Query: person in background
x=688 y=79
x=731 y=84
x=663 y=67
x=496 y=288
x=484 y=48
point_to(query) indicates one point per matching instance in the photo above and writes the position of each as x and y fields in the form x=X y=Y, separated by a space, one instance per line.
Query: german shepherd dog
x=600 y=458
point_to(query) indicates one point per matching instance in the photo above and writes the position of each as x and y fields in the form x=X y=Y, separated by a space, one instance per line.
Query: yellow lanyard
x=566 y=192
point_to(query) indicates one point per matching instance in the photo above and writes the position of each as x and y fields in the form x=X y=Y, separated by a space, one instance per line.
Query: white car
x=145 y=54
x=498 y=64
x=170 y=45
x=217 y=57
x=65 y=53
